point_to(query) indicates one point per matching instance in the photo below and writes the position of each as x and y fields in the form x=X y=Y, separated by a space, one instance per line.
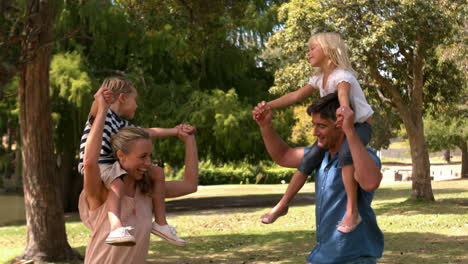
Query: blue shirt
x=333 y=246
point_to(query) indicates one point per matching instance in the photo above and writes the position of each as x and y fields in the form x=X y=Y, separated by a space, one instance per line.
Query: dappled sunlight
x=223 y=227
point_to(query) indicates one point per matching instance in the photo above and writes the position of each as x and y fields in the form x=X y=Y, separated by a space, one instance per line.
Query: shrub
x=240 y=173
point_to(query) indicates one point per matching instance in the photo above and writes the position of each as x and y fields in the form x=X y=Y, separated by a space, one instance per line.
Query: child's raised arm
x=292 y=97
x=156 y=132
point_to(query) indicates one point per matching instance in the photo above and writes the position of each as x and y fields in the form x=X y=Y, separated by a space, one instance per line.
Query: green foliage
x=68 y=78
x=390 y=43
x=445 y=133
x=226 y=131
x=241 y=173
x=181 y=57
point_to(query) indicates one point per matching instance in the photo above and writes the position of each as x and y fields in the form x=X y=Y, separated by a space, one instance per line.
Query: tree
x=46 y=237
x=393 y=45
x=447 y=132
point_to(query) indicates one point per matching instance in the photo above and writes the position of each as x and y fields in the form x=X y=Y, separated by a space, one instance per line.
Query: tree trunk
x=464 y=164
x=46 y=237
x=422 y=188
x=72 y=181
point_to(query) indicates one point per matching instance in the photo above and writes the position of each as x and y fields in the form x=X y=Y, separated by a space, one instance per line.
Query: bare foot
x=349 y=223
x=270 y=217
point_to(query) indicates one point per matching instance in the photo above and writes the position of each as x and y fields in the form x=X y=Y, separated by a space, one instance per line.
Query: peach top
x=135 y=211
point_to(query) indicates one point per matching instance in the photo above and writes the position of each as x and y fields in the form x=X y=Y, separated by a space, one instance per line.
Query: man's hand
x=262 y=114
x=345 y=119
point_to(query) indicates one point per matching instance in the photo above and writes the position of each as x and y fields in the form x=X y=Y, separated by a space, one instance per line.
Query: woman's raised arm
x=92 y=179
x=190 y=182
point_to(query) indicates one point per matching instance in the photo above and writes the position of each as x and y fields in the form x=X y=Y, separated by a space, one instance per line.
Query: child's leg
x=281 y=208
x=160 y=226
x=311 y=161
x=115 y=194
x=119 y=235
x=352 y=217
x=158 y=197
x=111 y=176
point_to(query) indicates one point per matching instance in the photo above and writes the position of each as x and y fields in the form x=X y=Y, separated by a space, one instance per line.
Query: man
x=365 y=244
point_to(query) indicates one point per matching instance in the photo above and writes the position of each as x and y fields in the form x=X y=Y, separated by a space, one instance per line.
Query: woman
x=132 y=147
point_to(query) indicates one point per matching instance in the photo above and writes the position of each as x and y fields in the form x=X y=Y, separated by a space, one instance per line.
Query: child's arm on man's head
x=292 y=97
x=344 y=89
x=343 y=97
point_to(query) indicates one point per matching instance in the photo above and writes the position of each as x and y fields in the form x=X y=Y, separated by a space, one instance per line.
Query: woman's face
x=138 y=159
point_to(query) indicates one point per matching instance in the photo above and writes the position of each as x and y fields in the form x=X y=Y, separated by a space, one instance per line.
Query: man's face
x=326 y=131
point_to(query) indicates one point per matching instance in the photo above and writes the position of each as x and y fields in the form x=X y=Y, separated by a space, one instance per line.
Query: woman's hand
x=184 y=131
x=104 y=98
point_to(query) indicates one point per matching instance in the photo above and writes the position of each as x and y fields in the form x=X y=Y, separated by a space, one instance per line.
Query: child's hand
x=189 y=129
x=100 y=98
x=184 y=132
x=259 y=110
x=345 y=118
x=184 y=129
x=262 y=114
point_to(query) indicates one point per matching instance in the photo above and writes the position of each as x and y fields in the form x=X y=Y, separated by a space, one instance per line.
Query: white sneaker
x=168 y=233
x=121 y=237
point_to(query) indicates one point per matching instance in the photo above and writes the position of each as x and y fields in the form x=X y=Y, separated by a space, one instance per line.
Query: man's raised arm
x=279 y=151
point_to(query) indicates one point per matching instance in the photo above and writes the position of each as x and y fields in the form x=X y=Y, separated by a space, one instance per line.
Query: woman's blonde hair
x=335 y=48
x=118 y=85
x=123 y=141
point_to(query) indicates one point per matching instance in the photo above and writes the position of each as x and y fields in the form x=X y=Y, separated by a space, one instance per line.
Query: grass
x=223 y=226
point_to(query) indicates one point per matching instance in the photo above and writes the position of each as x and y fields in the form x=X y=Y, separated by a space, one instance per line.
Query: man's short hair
x=325 y=106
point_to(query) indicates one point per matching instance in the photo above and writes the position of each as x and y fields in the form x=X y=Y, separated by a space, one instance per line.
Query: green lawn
x=415 y=232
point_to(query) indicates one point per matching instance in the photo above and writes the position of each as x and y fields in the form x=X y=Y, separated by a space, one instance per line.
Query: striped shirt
x=112 y=125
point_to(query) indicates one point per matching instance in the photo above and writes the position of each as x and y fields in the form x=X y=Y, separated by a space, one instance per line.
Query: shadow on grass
x=293 y=247
x=224 y=202
x=442 y=206
x=412 y=207
x=275 y=247
x=386 y=193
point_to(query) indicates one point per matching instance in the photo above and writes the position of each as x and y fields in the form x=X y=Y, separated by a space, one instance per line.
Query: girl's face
x=316 y=55
x=129 y=105
x=138 y=159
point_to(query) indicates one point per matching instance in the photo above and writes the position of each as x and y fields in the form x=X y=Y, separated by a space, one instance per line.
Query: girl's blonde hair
x=123 y=141
x=118 y=85
x=335 y=48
